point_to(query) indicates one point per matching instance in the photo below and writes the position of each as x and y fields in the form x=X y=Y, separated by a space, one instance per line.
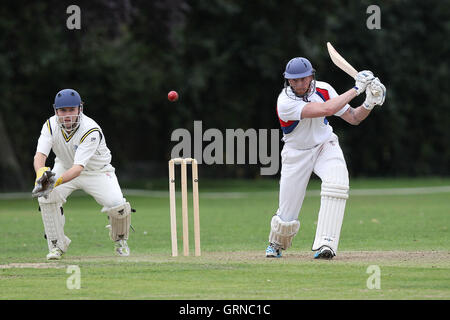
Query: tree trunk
x=11 y=176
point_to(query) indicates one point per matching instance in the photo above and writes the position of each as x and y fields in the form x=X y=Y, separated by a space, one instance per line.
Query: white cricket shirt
x=85 y=146
x=308 y=132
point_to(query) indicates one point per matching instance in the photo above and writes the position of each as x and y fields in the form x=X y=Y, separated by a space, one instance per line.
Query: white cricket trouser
x=102 y=186
x=296 y=170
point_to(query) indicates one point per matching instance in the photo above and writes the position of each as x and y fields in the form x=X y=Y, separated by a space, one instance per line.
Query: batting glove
x=375 y=94
x=362 y=79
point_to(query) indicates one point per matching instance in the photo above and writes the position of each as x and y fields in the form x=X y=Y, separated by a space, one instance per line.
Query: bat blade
x=339 y=61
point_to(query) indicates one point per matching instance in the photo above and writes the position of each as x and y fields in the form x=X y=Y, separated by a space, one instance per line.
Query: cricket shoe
x=272 y=252
x=121 y=248
x=55 y=254
x=324 y=253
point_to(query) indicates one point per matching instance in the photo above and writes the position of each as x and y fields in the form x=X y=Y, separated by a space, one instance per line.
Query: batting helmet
x=298 y=68
x=67 y=98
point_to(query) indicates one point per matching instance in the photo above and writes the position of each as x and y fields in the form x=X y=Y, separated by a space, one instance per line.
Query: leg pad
x=334 y=195
x=282 y=233
x=54 y=220
x=120 y=221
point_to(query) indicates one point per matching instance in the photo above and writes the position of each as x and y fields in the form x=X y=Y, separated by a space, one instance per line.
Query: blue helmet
x=67 y=98
x=298 y=68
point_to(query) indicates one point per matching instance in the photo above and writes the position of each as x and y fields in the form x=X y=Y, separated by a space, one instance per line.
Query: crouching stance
x=311 y=146
x=83 y=161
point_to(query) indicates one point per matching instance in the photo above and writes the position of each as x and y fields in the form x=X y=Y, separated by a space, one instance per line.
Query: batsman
x=82 y=161
x=311 y=146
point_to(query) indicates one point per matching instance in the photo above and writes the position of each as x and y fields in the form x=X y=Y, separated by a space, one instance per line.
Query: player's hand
x=45 y=183
x=40 y=172
x=375 y=94
x=362 y=79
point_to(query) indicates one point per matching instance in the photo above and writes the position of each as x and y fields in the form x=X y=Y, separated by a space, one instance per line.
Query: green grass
x=405 y=235
x=242 y=185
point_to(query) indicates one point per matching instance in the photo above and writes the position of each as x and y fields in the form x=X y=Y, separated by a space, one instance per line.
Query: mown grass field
x=388 y=223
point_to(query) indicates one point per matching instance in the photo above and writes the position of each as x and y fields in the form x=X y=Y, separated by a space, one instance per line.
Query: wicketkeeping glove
x=45 y=183
x=375 y=94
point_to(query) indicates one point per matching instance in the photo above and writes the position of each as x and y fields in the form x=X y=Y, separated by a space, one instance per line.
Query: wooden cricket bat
x=341 y=62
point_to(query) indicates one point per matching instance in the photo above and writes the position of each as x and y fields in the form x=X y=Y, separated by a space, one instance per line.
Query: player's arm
x=328 y=108
x=44 y=146
x=355 y=115
x=333 y=105
x=71 y=174
x=39 y=161
x=40 y=168
x=375 y=95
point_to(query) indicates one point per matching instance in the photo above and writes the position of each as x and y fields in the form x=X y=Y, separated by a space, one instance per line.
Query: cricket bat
x=341 y=62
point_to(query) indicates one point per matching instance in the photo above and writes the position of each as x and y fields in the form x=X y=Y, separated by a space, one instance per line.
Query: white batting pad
x=54 y=221
x=120 y=221
x=334 y=195
x=282 y=232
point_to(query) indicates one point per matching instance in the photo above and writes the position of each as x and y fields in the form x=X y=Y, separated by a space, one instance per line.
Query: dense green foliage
x=226 y=59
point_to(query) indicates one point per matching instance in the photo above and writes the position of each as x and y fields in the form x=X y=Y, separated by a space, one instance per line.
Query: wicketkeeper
x=82 y=162
x=311 y=146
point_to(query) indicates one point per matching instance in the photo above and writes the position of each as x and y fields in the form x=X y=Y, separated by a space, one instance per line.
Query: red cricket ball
x=172 y=96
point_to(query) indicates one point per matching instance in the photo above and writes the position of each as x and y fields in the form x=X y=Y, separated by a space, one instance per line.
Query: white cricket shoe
x=324 y=253
x=55 y=254
x=121 y=248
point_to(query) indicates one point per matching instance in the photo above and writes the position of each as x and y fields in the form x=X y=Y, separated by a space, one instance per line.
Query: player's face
x=300 y=85
x=68 y=116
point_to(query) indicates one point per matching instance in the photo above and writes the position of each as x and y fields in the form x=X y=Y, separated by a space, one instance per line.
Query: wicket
x=184 y=199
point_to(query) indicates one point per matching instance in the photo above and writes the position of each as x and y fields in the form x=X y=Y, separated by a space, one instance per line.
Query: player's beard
x=308 y=93
x=69 y=123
